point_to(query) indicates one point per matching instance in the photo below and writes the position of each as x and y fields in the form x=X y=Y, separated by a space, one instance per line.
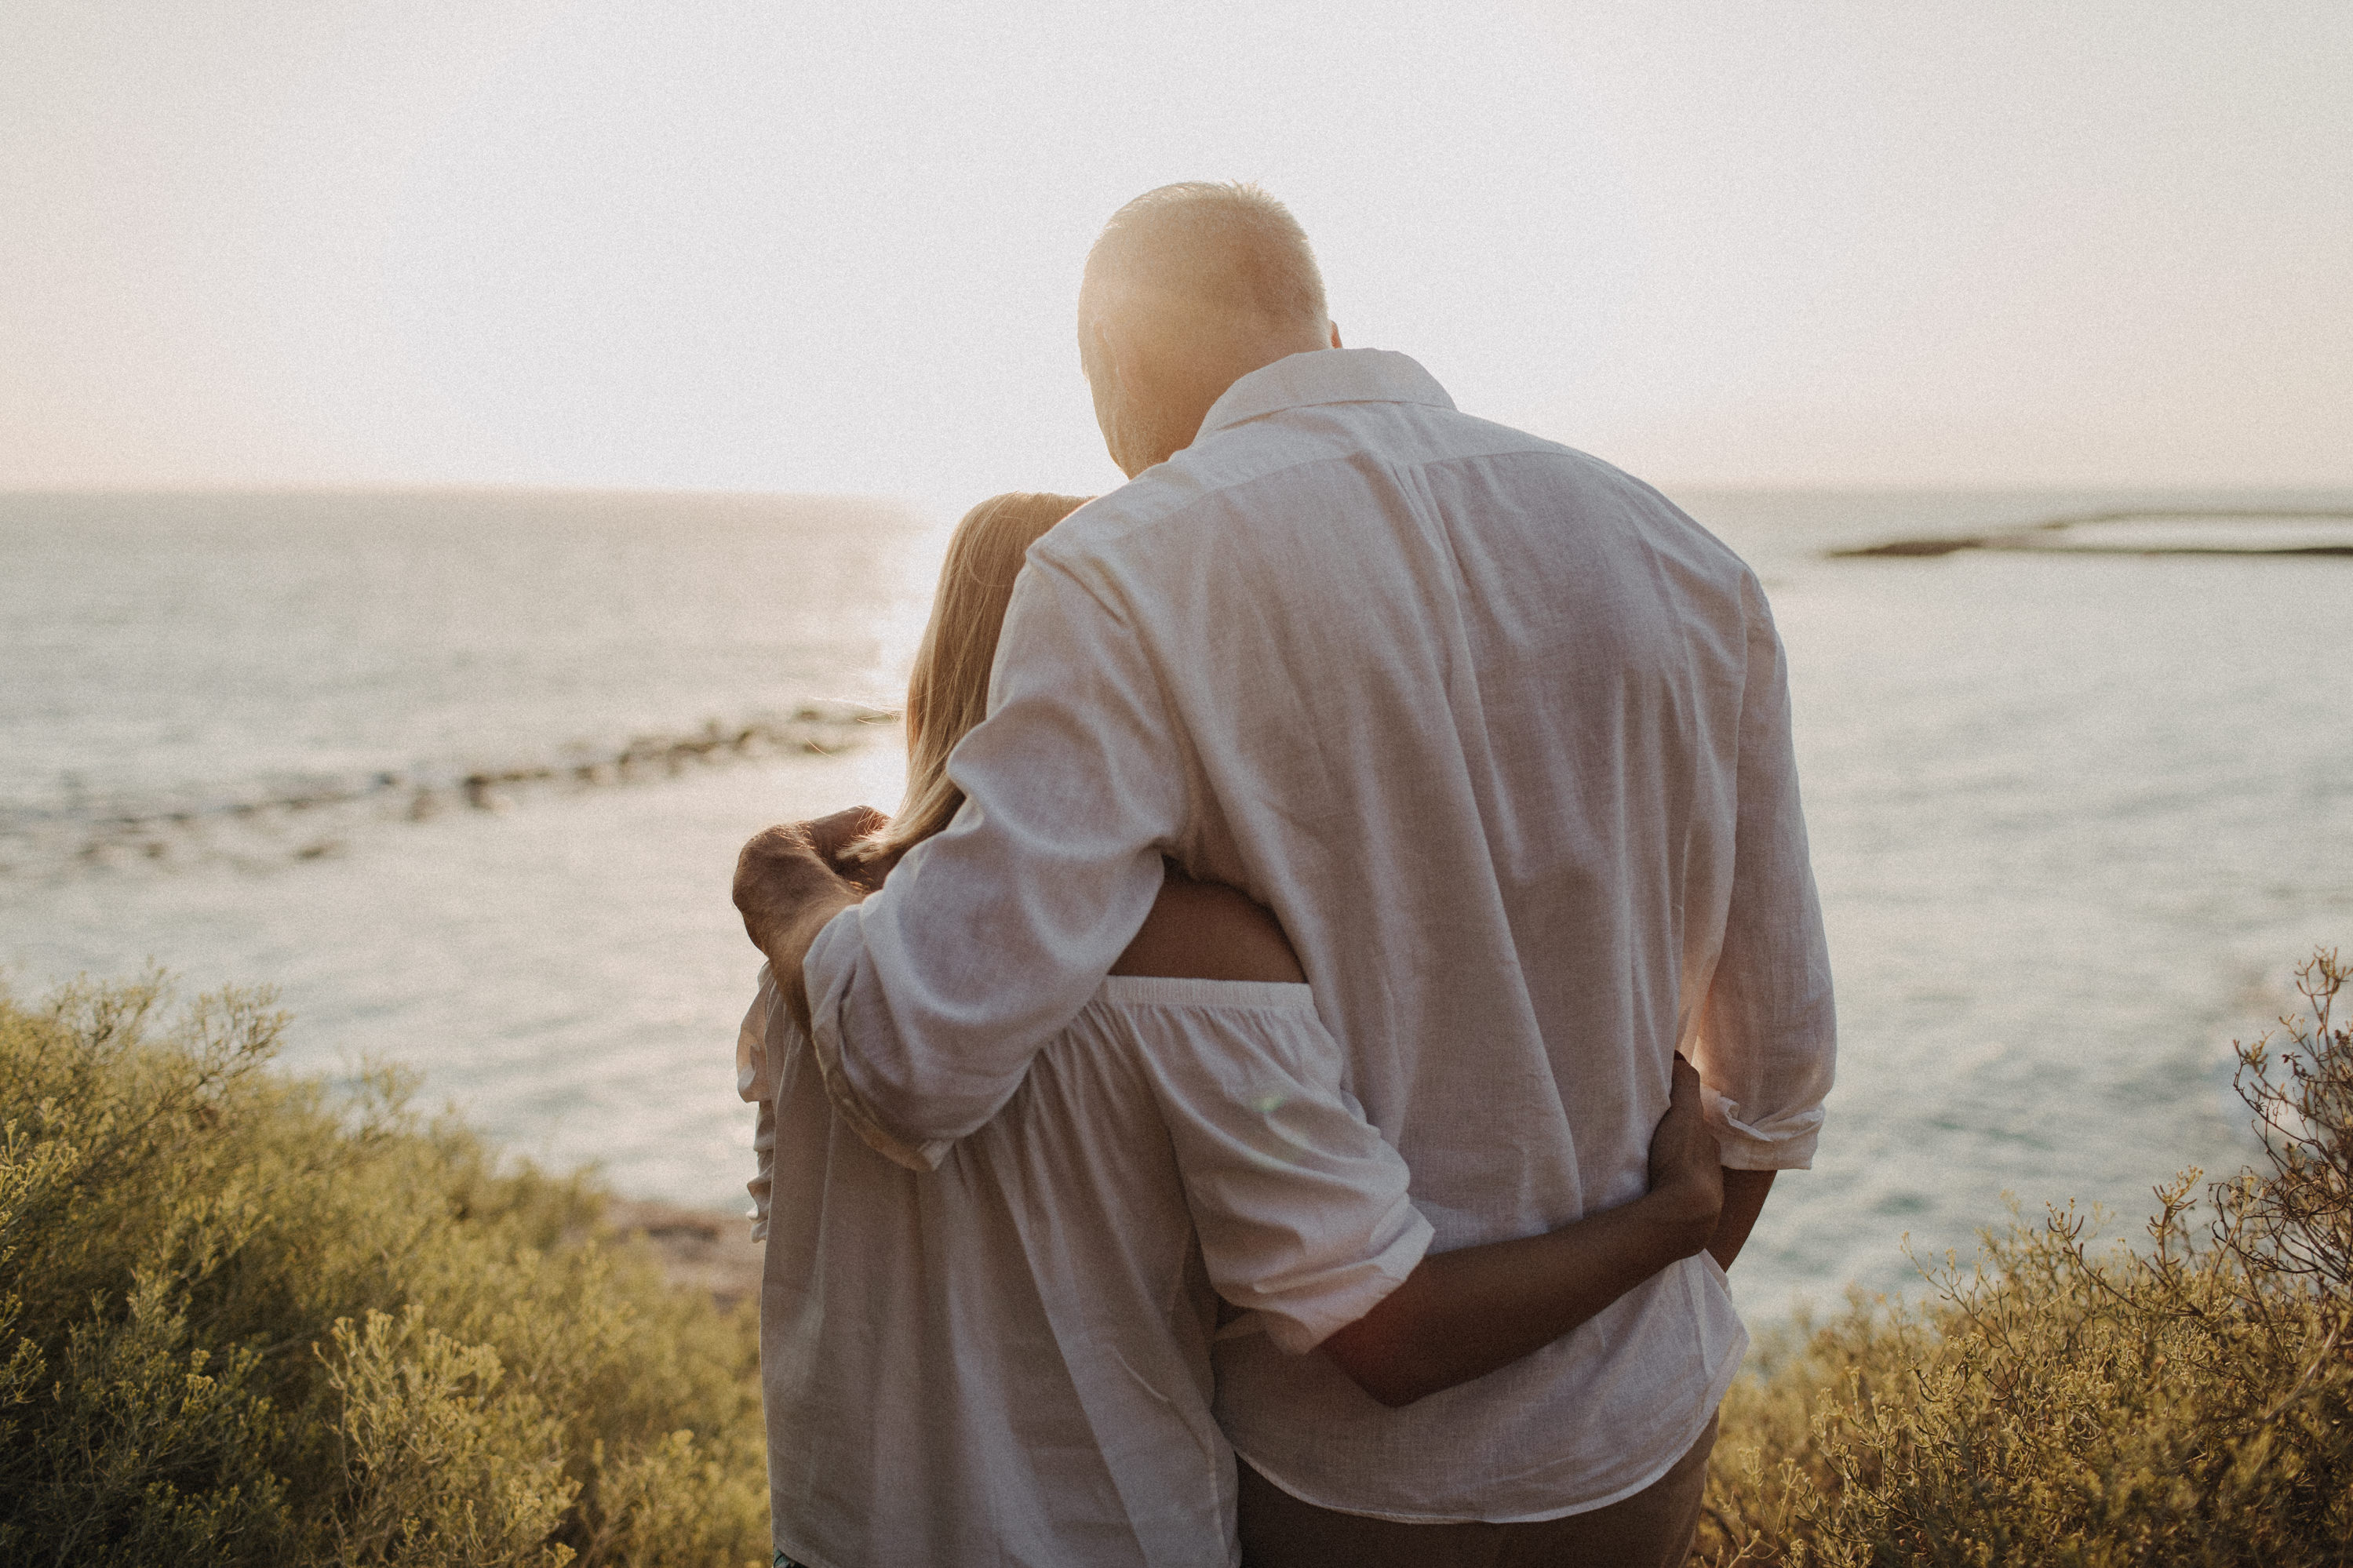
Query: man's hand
x=1686 y=1174
x=789 y=882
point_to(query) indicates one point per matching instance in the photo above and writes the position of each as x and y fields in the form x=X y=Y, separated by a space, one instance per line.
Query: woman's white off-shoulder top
x=1005 y=1360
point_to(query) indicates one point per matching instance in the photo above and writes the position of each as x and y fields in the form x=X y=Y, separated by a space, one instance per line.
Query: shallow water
x=2074 y=817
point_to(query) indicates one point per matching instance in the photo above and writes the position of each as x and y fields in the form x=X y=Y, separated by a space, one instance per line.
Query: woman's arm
x=1744 y=1200
x=1207 y=931
x=1462 y=1314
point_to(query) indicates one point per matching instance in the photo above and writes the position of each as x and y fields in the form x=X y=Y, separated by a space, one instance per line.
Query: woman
x=1005 y=1360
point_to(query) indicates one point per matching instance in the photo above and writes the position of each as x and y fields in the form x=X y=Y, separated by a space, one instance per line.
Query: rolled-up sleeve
x=929 y=999
x=1769 y=1039
x=1300 y=1207
x=756 y=1080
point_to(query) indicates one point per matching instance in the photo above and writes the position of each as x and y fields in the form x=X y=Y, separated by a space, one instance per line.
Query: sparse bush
x=2187 y=1402
x=243 y=1321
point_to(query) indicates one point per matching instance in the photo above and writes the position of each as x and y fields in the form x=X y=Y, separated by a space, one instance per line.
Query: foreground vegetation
x=245 y=1320
x=2187 y=1401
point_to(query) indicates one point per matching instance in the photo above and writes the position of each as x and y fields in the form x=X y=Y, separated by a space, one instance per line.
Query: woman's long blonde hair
x=948 y=693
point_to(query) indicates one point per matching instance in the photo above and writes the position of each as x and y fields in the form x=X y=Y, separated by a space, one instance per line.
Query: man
x=1503 y=738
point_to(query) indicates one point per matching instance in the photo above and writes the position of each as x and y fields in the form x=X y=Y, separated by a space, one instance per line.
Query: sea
x=462 y=775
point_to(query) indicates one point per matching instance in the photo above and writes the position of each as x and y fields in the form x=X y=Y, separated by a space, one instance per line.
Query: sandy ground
x=710 y=1250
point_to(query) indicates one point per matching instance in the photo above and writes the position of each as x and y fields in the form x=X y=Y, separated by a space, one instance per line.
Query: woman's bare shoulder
x=1207 y=931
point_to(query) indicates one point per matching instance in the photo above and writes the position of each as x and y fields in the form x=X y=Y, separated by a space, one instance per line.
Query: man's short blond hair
x=1228 y=249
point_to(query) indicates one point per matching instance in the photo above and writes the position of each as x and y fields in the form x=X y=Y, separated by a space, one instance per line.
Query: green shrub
x=2185 y=1402
x=244 y=1321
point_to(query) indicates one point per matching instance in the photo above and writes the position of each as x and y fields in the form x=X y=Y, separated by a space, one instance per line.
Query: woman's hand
x=1686 y=1168
x=1462 y=1314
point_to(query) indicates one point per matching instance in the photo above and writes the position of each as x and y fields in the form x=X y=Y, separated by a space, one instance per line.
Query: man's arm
x=1462 y=1314
x=1768 y=1031
x=925 y=1003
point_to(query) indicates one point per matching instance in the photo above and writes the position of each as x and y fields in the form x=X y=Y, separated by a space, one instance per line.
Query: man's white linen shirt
x=1503 y=738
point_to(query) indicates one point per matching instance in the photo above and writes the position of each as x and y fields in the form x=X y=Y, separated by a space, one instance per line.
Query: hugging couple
x=1287 y=1086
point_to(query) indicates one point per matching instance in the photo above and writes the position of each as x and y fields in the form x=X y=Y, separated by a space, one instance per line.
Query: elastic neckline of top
x=1169 y=991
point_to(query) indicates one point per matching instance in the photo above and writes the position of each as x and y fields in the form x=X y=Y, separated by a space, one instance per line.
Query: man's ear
x=1104 y=356
x=1335 y=334
x=1107 y=362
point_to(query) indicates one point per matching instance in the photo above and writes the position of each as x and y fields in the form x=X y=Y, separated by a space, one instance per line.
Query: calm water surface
x=2073 y=817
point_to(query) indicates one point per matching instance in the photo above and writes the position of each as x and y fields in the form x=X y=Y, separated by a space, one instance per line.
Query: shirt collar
x=1325 y=375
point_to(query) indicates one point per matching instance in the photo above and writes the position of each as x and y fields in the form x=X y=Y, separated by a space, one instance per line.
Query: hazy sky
x=835 y=247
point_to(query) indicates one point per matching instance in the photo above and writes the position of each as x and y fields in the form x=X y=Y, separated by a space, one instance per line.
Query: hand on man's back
x=1686 y=1172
